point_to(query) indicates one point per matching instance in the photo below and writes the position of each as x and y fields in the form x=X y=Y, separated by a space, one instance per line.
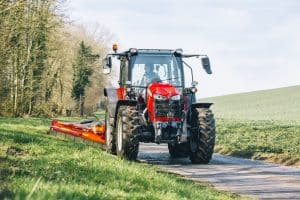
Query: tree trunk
x=81 y=105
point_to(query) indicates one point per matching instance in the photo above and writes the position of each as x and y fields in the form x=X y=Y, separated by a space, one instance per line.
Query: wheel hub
x=120 y=132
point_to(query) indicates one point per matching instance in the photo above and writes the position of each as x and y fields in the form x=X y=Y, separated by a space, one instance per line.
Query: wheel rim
x=108 y=131
x=120 y=130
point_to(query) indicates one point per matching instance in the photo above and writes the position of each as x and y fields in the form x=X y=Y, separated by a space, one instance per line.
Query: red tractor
x=152 y=104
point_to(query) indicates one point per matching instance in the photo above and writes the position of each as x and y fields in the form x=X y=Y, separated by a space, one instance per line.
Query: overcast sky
x=252 y=44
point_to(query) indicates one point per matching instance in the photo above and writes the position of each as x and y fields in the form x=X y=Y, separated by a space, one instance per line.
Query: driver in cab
x=149 y=75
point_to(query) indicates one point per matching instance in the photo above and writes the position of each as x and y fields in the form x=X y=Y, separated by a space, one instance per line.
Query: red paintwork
x=166 y=119
x=84 y=131
x=120 y=93
x=165 y=89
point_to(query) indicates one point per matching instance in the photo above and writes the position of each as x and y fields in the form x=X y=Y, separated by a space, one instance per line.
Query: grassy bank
x=261 y=125
x=272 y=141
x=35 y=165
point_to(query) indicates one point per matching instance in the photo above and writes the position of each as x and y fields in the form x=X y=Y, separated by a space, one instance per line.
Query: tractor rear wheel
x=110 y=138
x=127 y=132
x=203 y=136
x=179 y=150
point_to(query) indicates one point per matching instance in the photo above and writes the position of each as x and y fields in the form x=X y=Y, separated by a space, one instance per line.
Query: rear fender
x=111 y=100
x=114 y=101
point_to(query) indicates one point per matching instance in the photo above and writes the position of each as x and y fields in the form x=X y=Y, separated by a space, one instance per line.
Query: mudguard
x=111 y=100
x=201 y=105
x=114 y=101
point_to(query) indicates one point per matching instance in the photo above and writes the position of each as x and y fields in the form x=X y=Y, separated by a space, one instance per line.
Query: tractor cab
x=156 y=66
x=152 y=104
x=140 y=67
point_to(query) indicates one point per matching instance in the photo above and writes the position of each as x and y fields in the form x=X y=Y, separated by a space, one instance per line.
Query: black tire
x=203 y=136
x=109 y=135
x=179 y=150
x=127 y=142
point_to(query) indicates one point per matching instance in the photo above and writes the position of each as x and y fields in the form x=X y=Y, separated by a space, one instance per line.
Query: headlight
x=193 y=90
x=176 y=97
x=159 y=97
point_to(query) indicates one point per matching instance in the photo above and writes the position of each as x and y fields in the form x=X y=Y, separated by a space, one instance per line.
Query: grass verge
x=274 y=141
x=35 y=165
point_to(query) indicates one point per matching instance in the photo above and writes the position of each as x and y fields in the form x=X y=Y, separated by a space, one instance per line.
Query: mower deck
x=88 y=130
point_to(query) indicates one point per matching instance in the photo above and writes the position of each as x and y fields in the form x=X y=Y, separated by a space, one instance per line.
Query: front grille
x=164 y=108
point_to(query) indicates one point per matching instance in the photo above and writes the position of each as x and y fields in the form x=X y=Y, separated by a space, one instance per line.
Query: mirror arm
x=193 y=55
x=116 y=54
x=189 y=68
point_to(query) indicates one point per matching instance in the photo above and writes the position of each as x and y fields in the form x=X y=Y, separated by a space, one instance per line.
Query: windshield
x=148 y=68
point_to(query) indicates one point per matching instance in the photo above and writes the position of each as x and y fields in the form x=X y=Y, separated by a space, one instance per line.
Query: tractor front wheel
x=127 y=132
x=203 y=136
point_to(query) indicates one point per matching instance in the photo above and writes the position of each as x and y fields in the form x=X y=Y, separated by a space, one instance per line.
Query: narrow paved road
x=241 y=176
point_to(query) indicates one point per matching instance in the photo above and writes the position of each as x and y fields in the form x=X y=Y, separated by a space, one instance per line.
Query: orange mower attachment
x=88 y=130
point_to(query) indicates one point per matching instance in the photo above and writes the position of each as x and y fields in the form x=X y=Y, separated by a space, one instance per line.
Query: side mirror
x=206 y=65
x=107 y=64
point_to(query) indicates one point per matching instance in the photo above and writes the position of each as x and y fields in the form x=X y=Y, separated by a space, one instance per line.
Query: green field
x=277 y=104
x=35 y=165
x=261 y=125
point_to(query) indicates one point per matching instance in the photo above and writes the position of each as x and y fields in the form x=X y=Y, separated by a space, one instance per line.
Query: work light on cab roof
x=115 y=48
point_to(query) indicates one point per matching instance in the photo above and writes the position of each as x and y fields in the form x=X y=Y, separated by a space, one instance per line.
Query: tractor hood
x=164 y=89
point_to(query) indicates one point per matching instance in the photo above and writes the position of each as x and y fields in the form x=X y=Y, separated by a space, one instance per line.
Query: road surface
x=242 y=176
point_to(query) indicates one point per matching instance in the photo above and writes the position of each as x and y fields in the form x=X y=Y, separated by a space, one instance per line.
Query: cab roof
x=150 y=51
